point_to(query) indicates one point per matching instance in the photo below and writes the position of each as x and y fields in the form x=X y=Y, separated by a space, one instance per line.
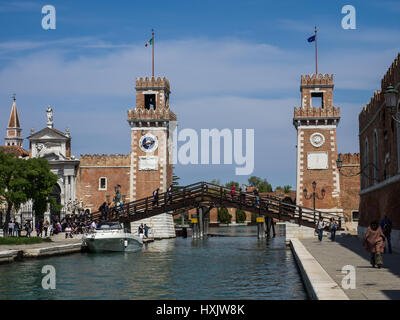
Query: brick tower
x=151 y=143
x=316 y=121
x=14 y=130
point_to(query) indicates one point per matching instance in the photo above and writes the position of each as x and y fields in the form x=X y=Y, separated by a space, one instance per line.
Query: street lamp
x=391 y=95
x=314 y=195
x=339 y=164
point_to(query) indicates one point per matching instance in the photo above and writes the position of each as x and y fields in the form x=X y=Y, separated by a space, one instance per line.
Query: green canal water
x=236 y=266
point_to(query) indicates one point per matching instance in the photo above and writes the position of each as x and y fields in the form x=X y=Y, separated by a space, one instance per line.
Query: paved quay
x=371 y=283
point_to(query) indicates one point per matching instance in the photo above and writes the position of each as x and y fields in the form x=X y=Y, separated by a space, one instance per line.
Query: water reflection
x=237 y=267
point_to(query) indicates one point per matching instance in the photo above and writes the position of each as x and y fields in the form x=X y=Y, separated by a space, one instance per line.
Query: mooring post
x=273 y=227
x=260 y=227
x=268 y=227
x=201 y=221
x=195 y=228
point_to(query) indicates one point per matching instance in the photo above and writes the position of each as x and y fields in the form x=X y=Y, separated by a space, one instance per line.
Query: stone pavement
x=58 y=239
x=371 y=283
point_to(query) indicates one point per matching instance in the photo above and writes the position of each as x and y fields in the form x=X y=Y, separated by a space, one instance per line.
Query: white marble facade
x=55 y=147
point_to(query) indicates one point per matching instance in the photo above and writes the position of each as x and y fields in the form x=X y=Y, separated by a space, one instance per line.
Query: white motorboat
x=110 y=236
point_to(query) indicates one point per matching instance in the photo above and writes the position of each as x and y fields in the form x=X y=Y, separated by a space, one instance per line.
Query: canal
x=234 y=266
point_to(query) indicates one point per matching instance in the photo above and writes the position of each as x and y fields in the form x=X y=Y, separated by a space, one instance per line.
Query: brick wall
x=93 y=167
x=380 y=187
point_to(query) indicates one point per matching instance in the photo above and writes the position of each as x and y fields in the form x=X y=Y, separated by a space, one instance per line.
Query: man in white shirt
x=320 y=228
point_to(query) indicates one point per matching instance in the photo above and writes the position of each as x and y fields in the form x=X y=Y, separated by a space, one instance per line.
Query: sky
x=231 y=64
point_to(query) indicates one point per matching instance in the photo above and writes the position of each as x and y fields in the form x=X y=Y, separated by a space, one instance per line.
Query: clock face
x=317 y=139
x=148 y=143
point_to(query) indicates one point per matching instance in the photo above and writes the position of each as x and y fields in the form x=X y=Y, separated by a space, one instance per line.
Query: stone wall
x=161 y=226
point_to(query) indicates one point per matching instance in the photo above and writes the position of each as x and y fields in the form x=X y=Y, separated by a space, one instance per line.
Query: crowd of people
x=76 y=223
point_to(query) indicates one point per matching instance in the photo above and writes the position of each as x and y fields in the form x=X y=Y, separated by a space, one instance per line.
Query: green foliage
x=22 y=180
x=216 y=181
x=261 y=184
x=232 y=183
x=175 y=182
x=279 y=188
x=287 y=189
x=23 y=240
x=240 y=216
x=224 y=216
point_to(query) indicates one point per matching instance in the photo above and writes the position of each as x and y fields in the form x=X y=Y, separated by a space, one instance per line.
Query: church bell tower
x=316 y=121
x=14 y=130
x=151 y=142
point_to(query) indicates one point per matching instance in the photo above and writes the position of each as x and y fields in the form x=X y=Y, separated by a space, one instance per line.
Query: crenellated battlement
x=317 y=79
x=329 y=112
x=369 y=110
x=147 y=82
x=105 y=160
x=392 y=76
x=350 y=158
x=140 y=113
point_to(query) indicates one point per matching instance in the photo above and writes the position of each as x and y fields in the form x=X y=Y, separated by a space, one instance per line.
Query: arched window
x=376 y=157
x=366 y=161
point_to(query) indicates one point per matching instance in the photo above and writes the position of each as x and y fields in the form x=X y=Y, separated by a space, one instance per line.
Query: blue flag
x=311 y=39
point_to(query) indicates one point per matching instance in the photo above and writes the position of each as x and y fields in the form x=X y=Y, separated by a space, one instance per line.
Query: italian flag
x=149 y=43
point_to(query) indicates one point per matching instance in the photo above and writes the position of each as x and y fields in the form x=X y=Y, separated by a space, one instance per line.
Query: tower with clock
x=151 y=141
x=316 y=121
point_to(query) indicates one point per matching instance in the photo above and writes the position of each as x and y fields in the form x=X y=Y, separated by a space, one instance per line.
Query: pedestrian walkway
x=371 y=283
x=57 y=240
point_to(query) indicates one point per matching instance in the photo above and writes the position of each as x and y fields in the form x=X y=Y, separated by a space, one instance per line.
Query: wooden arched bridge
x=203 y=195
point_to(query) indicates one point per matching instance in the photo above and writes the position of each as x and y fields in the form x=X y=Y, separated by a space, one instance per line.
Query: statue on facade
x=49 y=115
x=117 y=196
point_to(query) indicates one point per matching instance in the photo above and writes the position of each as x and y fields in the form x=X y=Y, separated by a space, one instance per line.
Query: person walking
x=233 y=191
x=320 y=226
x=146 y=230
x=28 y=229
x=10 y=228
x=155 y=195
x=140 y=231
x=333 y=228
x=374 y=242
x=16 y=228
x=255 y=192
x=386 y=225
x=243 y=191
x=169 y=191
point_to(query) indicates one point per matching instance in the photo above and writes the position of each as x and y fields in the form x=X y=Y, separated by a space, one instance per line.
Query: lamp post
x=391 y=96
x=314 y=196
x=339 y=164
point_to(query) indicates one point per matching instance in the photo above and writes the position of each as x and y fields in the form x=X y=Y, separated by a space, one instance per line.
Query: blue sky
x=231 y=64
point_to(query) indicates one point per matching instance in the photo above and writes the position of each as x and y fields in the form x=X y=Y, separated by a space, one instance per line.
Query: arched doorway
x=55 y=194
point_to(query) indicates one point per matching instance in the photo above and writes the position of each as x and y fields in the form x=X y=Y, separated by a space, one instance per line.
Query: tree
x=175 y=182
x=287 y=189
x=224 y=216
x=261 y=184
x=279 y=188
x=240 y=216
x=232 y=183
x=22 y=180
x=216 y=181
x=13 y=183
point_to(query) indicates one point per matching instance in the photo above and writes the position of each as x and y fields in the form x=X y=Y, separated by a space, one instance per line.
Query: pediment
x=49 y=134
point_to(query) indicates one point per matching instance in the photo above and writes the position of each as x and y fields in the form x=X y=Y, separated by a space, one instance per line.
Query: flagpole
x=316 y=55
x=152 y=30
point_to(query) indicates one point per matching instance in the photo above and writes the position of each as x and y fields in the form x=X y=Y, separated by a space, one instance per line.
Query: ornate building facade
x=379 y=133
x=147 y=167
x=316 y=121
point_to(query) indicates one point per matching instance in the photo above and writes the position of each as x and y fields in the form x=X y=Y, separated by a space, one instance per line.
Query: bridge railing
x=204 y=191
